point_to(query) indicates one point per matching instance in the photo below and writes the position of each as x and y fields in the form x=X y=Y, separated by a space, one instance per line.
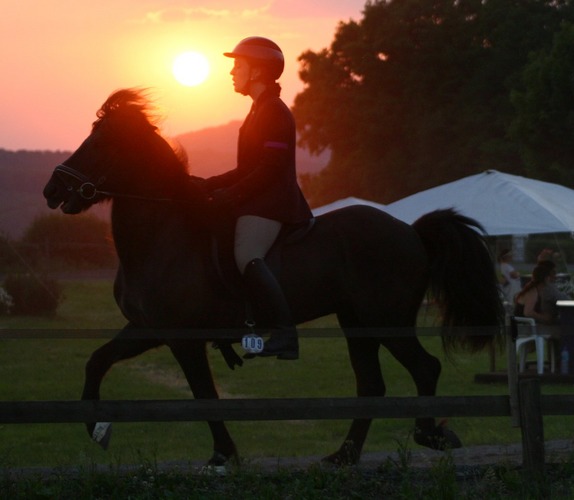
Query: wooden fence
x=532 y=407
x=524 y=405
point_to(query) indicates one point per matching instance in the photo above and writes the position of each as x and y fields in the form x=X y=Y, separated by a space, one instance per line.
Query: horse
x=368 y=268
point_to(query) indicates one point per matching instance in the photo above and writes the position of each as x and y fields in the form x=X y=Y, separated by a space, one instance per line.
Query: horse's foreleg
x=425 y=370
x=365 y=362
x=119 y=348
x=192 y=357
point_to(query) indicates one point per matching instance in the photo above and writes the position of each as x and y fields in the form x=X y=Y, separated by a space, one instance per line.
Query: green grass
x=389 y=481
x=53 y=369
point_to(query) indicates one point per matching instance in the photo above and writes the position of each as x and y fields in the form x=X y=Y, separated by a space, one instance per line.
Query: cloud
x=318 y=9
x=181 y=14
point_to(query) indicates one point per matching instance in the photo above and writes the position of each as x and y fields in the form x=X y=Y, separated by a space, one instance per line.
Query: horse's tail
x=462 y=279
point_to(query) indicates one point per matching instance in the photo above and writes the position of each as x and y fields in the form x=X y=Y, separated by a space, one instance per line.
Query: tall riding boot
x=266 y=296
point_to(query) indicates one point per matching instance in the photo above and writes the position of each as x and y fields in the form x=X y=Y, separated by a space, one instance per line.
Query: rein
x=88 y=190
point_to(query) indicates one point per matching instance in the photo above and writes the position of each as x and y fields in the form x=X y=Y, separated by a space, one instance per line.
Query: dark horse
x=365 y=266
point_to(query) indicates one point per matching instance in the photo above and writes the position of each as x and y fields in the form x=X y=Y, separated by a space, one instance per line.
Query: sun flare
x=190 y=68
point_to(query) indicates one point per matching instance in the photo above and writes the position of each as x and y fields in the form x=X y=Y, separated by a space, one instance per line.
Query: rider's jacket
x=264 y=183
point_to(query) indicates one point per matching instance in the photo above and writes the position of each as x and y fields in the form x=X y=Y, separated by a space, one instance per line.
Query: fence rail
x=532 y=407
x=28 y=412
x=251 y=409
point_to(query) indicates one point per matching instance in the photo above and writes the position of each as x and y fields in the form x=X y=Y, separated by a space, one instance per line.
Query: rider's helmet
x=261 y=52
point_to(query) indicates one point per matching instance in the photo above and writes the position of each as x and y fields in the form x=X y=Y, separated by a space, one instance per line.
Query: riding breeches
x=254 y=236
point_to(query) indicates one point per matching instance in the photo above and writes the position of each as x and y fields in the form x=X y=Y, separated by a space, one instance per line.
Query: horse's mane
x=136 y=104
x=134 y=100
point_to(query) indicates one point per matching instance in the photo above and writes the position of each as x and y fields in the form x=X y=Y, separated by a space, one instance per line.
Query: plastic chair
x=527 y=333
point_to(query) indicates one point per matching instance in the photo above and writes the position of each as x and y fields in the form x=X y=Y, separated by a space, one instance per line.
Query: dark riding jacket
x=264 y=183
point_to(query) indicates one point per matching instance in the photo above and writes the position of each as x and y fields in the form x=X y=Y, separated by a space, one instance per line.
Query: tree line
x=422 y=92
x=56 y=242
x=52 y=244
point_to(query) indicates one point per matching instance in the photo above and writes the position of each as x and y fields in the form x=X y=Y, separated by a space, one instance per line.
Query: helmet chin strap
x=252 y=80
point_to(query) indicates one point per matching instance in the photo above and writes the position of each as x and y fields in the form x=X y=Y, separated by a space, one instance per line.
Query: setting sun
x=190 y=68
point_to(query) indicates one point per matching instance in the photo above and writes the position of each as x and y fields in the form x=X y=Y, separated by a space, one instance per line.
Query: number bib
x=252 y=343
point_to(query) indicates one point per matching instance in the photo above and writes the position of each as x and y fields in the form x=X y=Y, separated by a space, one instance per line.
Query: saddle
x=223 y=259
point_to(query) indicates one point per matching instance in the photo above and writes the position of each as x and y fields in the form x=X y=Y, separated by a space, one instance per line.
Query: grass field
x=53 y=369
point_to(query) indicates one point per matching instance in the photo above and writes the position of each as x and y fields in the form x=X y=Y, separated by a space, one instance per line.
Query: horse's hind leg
x=102 y=359
x=192 y=357
x=425 y=370
x=364 y=354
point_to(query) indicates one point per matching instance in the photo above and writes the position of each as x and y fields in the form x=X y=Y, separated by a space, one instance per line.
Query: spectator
x=538 y=297
x=547 y=254
x=510 y=277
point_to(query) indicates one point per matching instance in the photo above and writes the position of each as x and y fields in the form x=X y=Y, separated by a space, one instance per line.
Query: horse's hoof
x=346 y=455
x=213 y=470
x=440 y=438
x=216 y=465
x=102 y=433
x=451 y=439
x=331 y=461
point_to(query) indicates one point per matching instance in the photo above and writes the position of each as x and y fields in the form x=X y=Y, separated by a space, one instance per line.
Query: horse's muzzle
x=57 y=196
x=52 y=194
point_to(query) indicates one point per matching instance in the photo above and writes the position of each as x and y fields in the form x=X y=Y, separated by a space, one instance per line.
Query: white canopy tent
x=504 y=204
x=346 y=202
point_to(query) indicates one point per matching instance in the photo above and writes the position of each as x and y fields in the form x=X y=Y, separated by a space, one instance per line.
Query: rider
x=262 y=190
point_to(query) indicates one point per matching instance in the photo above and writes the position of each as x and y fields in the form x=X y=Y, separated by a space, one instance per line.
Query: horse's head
x=124 y=155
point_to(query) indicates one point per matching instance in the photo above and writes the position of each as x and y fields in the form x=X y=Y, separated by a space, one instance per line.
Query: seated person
x=538 y=297
x=547 y=254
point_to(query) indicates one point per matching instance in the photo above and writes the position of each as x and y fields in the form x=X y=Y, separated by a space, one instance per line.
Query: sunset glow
x=190 y=68
x=64 y=62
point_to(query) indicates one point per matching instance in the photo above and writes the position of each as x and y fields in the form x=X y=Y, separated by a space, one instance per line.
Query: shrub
x=6 y=302
x=33 y=295
x=9 y=255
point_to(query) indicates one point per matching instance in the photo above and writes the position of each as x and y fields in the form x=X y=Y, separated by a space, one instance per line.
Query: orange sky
x=60 y=59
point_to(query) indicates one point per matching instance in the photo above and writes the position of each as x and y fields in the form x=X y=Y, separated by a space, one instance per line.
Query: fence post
x=532 y=427
x=511 y=331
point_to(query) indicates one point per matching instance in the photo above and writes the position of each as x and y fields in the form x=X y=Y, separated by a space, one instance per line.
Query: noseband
x=88 y=190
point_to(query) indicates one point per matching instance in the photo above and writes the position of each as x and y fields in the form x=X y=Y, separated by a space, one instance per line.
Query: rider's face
x=241 y=73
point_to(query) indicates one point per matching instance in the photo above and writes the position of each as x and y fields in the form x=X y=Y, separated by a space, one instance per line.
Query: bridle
x=87 y=190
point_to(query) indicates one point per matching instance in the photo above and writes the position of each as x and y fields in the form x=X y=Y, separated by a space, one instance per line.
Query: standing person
x=511 y=277
x=262 y=191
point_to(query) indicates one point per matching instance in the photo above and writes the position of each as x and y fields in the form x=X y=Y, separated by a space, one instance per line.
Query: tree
x=544 y=122
x=418 y=93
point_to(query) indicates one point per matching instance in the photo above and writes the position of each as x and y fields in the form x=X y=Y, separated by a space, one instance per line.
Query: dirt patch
x=557 y=451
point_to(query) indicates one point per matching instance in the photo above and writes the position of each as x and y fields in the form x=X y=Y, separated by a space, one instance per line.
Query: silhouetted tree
x=417 y=93
x=544 y=122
